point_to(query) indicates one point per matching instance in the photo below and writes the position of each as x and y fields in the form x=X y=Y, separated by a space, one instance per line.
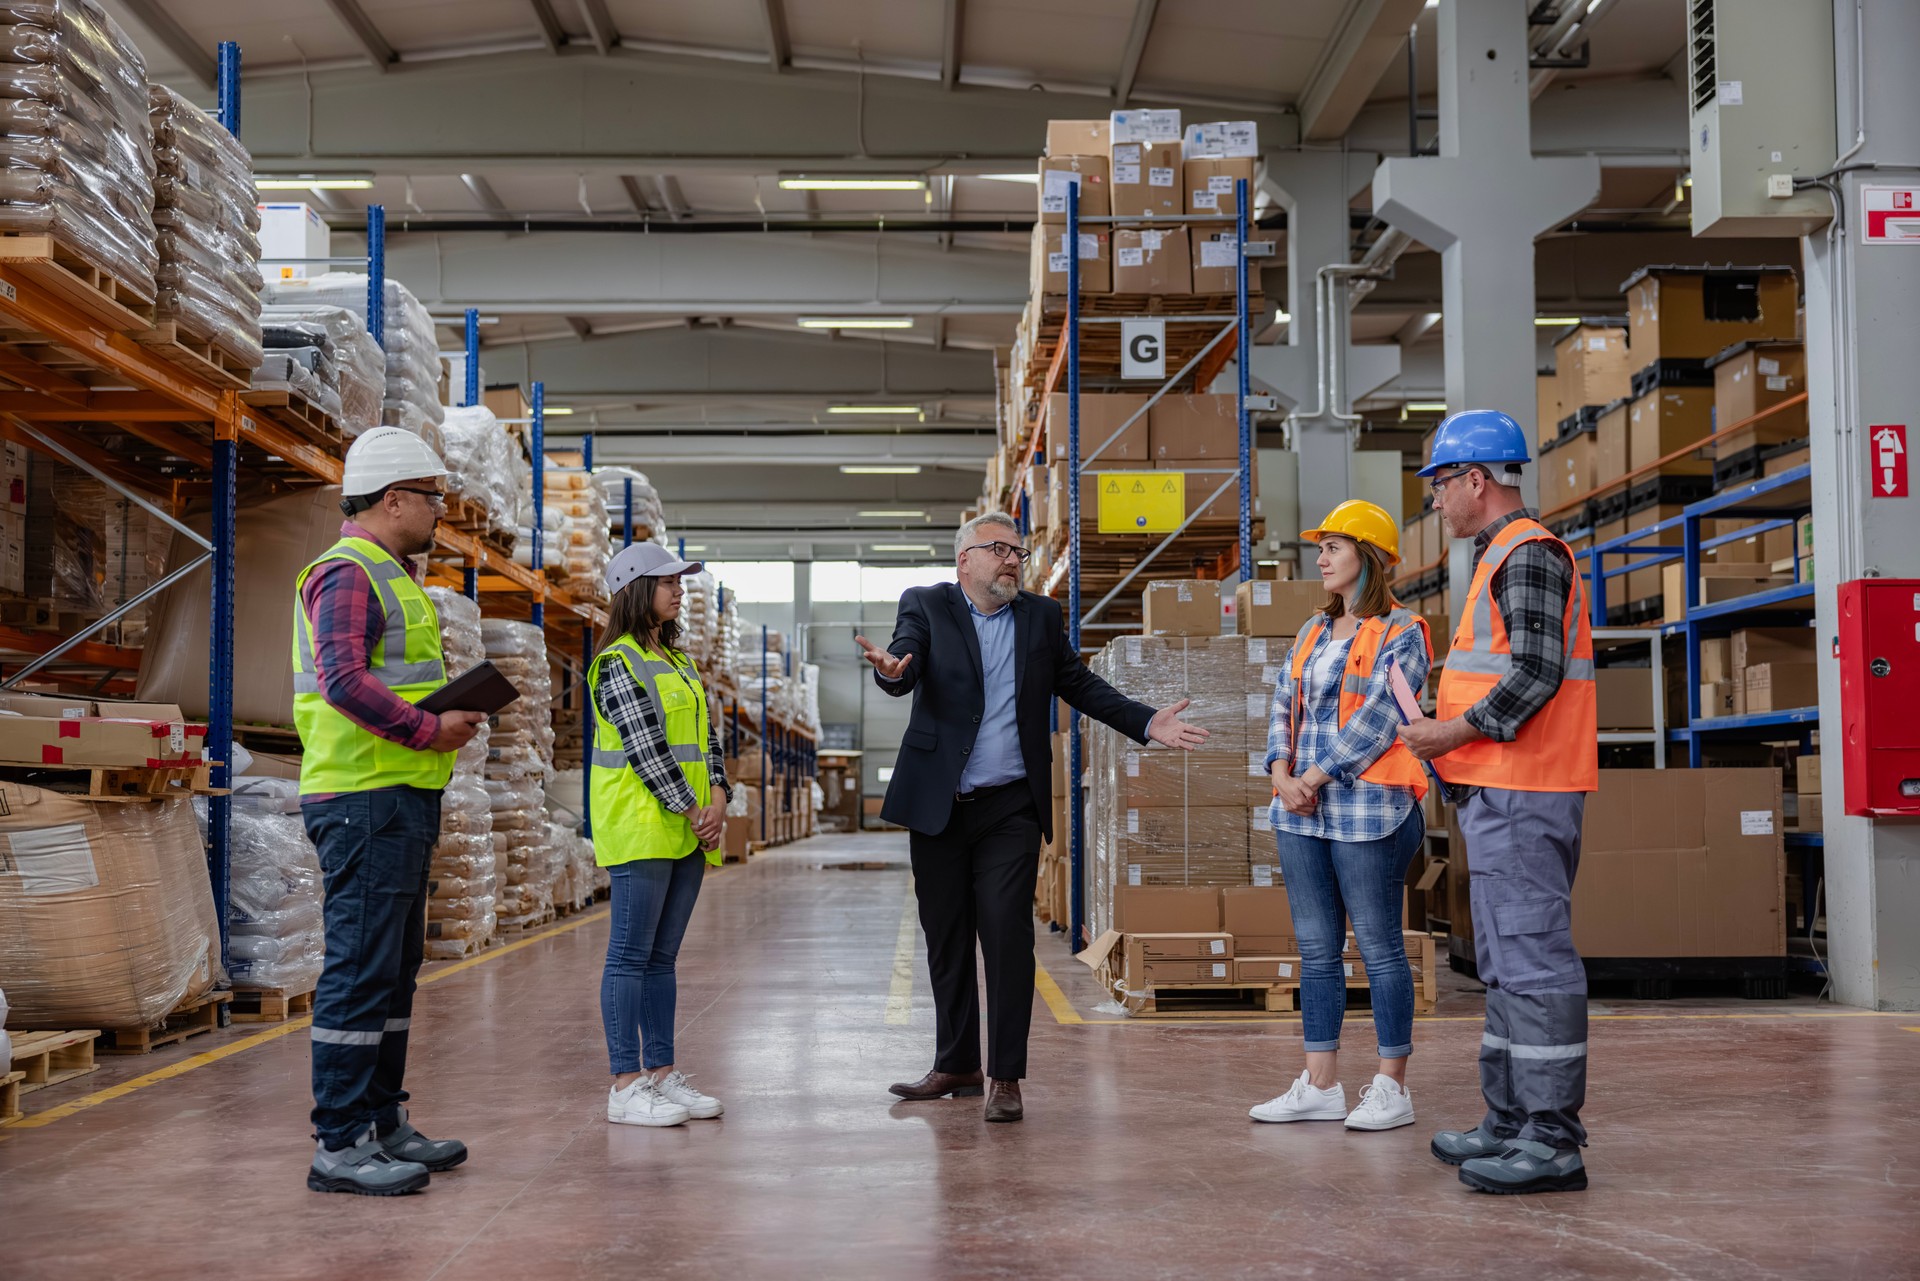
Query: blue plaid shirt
x=1350 y=808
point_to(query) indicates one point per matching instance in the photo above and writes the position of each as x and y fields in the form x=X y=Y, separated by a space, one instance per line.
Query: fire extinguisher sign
x=1887 y=458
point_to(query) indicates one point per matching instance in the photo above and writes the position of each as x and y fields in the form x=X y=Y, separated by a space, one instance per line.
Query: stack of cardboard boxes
x=1758 y=669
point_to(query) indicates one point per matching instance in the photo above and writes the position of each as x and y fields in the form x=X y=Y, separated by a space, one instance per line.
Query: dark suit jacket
x=949 y=695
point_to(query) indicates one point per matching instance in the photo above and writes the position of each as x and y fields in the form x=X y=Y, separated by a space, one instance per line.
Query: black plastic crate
x=1737 y=469
x=1770 y=452
x=1576 y=518
x=1583 y=419
x=1671 y=373
x=1610 y=507
x=1668 y=490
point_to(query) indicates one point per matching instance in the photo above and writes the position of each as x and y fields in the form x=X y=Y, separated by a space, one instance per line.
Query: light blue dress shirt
x=996 y=749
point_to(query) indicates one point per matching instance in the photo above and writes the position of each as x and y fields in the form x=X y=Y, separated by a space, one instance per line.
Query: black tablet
x=478 y=689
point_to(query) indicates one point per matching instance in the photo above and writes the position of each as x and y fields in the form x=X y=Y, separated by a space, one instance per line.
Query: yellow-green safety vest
x=340 y=756
x=629 y=822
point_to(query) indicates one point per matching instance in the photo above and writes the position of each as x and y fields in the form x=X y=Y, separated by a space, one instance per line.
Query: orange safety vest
x=1558 y=749
x=1397 y=767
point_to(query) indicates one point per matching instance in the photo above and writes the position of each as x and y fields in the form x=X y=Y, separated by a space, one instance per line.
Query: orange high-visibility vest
x=1558 y=749
x=1397 y=767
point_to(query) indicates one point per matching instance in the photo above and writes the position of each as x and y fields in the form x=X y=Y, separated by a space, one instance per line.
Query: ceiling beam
x=581 y=329
x=1144 y=12
x=197 y=59
x=773 y=16
x=483 y=193
x=550 y=28
x=599 y=26
x=1369 y=35
x=355 y=19
x=671 y=197
x=1416 y=328
x=635 y=196
x=952 y=35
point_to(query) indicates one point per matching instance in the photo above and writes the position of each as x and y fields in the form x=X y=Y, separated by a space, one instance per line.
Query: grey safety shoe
x=407 y=1144
x=365 y=1169
x=1455 y=1146
x=1526 y=1167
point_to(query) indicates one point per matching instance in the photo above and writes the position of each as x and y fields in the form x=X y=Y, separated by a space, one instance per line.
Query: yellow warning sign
x=1141 y=502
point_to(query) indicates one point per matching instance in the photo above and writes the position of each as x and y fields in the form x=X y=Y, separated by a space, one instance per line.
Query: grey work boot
x=1455 y=1146
x=405 y=1143
x=1526 y=1167
x=365 y=1169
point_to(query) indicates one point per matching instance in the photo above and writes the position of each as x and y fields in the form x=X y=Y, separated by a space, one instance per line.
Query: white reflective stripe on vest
x=1478 y=660
x=1548 y=1051
x=1493 y=1042
x=609 y=759
x=340 y=1036
x=399 y=1025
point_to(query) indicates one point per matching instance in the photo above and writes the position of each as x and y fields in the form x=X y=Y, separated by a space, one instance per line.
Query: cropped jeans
x=653 y=900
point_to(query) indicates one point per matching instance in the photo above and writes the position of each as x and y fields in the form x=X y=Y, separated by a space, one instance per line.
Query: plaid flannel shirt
x=1531 y=588
x=623 y=700
x=1350 y=808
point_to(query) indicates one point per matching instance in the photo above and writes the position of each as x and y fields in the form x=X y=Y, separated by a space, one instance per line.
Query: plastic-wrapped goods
x=275 y=916
x=480 y=458
x=412 y=350
x=76 y=158
x=106 y=917
x=460 y=641
x=649 y=519
x=334 y=345
x=207 y=223
x=522 y=744
x=553 y=546
x=574 y=516
x=520 y=831
x=6 y=1043
x=462 y=884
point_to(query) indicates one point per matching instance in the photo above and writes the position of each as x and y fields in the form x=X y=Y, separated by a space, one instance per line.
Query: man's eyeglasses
x=1439 y=482
x=1003 y=551
x=434 y=496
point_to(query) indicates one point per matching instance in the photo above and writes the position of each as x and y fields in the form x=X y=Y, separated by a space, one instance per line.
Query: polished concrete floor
x=1730 y=1139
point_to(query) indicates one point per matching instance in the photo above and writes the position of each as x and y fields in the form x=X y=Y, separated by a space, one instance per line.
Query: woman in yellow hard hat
x=1346 y=813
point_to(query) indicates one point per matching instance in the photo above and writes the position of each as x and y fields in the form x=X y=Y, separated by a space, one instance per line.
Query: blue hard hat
x=1477 y=436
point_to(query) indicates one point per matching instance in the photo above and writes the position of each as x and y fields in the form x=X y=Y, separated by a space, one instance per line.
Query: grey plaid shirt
x=625 y=701
x=1531 y=588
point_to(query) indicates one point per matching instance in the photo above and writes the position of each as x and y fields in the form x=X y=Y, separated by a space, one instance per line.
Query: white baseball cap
x=647 y=560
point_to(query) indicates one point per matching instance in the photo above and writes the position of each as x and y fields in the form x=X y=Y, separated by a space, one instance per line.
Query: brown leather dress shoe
x=937 y=1085
x=1003 y=1103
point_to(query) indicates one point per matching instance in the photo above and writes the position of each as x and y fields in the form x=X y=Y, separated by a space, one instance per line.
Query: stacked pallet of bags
x=208 y=227
x=574 y=517
x=76 y=159
x=463 y=880
x=700 y=621
x=519 y=759
x=649 y=518
x=276 y=926
x=483 y=463
x=326 y=355
x=565 y=800
x=410 y=394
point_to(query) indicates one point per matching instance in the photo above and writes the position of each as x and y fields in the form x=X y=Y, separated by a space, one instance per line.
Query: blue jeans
x=374 y=851
x=1327 y=882
x=652 y=902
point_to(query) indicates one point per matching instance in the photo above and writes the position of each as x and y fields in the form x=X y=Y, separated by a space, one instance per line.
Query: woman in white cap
x=659 y=792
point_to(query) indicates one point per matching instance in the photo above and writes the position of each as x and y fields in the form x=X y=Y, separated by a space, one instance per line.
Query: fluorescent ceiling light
x=312 y=184
x=873 y=409
x=856 y=322
x=1548 y=322
x=694 y=547
x=892 y=515
x=1426 y=407
x=1032 y=177
x=853 y=184
x=880 y=469
x=900 y=547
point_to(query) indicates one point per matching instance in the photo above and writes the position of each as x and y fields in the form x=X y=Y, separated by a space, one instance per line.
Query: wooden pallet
x=297 y=414
x=208 y=361
x=269 y=1005
x=67 y=272
x=48 y=1058
x=203 y=1015
x=10 y=1096
x=1252 y=1000
x=538 y=921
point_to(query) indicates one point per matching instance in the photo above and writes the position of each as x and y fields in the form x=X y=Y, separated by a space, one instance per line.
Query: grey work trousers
x=1523 y=849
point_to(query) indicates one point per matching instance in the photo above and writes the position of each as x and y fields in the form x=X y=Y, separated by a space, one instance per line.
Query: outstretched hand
x=886 y=664
x=1167 y=729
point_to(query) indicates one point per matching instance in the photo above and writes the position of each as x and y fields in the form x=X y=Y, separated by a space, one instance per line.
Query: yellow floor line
x=258 y=1039
x=900 y=990
x=1063 y=1011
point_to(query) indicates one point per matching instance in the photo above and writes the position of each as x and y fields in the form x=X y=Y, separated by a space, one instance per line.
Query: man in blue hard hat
x=1515 y=736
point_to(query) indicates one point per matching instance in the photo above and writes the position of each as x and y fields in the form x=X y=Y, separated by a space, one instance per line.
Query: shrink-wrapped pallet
x=276 y=927
x=340 y=359
x=412 y=351
x=481 y=461
x=207 y=223
x=462 y=886
x=106 y=915
x=520 y=756
x=649 y=520
x=574 y=517
x=76 y=158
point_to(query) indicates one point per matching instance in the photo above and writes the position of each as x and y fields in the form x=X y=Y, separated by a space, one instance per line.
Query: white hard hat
x=646 y=560
x=386 y=456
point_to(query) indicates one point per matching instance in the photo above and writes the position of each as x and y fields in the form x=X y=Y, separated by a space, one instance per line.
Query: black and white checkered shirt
x=1531 y=588
x=623 y=700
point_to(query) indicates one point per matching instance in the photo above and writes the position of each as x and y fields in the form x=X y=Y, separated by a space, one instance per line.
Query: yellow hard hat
x=1363 y=521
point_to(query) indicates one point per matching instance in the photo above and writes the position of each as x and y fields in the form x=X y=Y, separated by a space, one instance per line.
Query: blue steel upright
x=1075 y=765
x=539 y=497
x=587 y=726
x=626 y=525
x=377 y=273
x=229 y=86
x=473 y=358
x=1243 y=323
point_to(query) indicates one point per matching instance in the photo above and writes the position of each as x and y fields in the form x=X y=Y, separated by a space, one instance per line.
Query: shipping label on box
x=1223 y=139
x=1144 y=126
x=1062 y=174
x=1145 y=183
x=1277 y=608
x=1182 y=607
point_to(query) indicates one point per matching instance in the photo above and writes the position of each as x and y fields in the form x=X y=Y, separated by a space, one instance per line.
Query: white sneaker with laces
x=1384 y=1105
x=1304 y=1102
x=702 y=1107
x=642 y=1104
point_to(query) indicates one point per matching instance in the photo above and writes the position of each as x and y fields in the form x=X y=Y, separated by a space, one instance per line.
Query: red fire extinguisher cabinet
x=1879 y=652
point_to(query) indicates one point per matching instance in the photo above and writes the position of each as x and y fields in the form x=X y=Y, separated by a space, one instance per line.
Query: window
x=759 y=582
x=836 y=580
x=886 y=582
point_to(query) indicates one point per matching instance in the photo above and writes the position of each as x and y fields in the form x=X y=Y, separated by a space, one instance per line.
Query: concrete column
x=1863 y=328
x=1481 y=202
x=1315 y=188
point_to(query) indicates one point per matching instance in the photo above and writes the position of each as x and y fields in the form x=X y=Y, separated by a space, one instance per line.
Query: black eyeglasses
x=1003 y=551
x=434 y=496
x=1439 y=482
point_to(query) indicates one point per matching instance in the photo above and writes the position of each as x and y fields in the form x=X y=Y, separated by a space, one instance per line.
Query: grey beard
x=1003 y=591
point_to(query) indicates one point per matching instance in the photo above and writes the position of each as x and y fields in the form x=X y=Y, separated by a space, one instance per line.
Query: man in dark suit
x=983 y=661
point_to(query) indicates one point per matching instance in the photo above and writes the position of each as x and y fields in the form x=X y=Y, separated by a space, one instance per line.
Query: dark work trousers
x=374 y=851
x=975 y=879
x=1523 y=849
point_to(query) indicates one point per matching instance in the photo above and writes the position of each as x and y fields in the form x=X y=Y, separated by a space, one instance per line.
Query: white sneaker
x=1384 y=1105
x=642 y=1104
x=1303 y=1102
x=701 y=1107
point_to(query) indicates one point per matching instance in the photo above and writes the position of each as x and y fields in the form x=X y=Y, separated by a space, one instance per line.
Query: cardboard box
x=1215 y=255
x=1140 y=124
x=1643 y=583
x=1194 y=427
x=1210 y=671
x=1262 y=917
x=1210 y=185
x=1149 y=777
x=1203 y=946
x=1166 y=909
x=1667 y=420
x=1142 y=973
x=1693 y=313
x=1276 y=608
x=1048 y=274
x=1547 y=412
x=1266 y=969
x=1146 y=180
x=49 y=706
x=1752 y=645
x=97 y=743
x=1750 y=377
x=1717 y=698
x=1716 y=659
x=1077 y=137
x=1806 y=772
x=1781 y=687
x=1060 y=173
x=1100 y=417
x=1181 y=607
x=1592 y=366
x=1237 y=139
x=1812 y=814
x=1204 y=476
x=13 y=552
x=1681 y=862
x=1611 y=448
x=1625 y=697
x=1568 y=471
x=1742 y=580
x=507 y=402
x=1174 y=845
x=1151 y=262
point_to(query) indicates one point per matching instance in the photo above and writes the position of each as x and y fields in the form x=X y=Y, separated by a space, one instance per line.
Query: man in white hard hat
x=366 y=648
